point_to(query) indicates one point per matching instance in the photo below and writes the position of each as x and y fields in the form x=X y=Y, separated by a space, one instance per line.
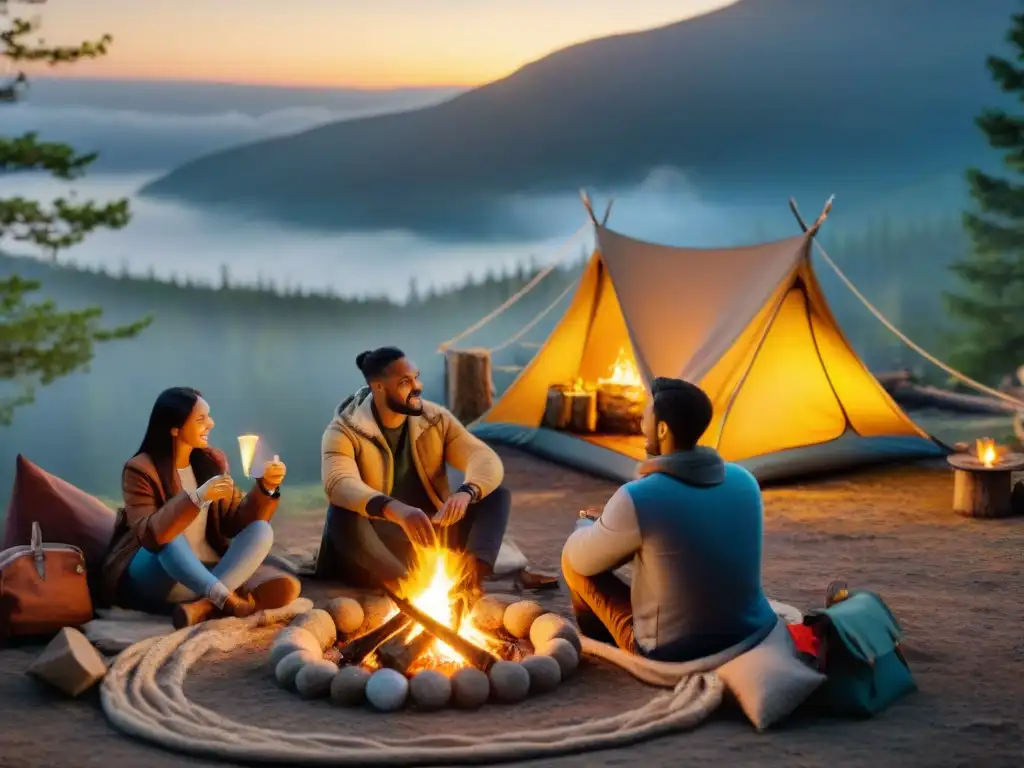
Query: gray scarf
x=701 y=466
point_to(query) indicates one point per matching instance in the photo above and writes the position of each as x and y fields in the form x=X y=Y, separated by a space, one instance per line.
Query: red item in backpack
x=807 y=642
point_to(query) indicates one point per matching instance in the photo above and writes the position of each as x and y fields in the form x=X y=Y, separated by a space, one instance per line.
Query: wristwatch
x=277 y=491
x=472 y=490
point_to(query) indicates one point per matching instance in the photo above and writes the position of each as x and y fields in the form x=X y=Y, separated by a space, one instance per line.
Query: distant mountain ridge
x=762 y=97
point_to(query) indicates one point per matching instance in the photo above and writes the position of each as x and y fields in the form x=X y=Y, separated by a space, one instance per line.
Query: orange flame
x=986 y=452
x=623 y=372
x=432 y=588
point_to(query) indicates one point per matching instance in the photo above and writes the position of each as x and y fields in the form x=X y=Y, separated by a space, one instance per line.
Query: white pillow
x=769 y=681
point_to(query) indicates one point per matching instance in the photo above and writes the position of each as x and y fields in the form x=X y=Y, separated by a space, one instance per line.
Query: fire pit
x=425 y=648
x=982 y=480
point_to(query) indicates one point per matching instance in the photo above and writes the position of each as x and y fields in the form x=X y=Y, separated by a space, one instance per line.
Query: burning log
x=478 y=657
x=400 y=653
x=355 y=651
x=620 y=409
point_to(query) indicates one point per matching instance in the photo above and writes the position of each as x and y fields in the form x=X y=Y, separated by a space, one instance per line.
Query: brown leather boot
x=276 y=592
x=190 y=614
x=238 y=606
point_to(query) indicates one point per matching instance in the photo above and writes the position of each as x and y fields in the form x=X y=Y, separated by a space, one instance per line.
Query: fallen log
x=478 y=657
x=917 y=396
x=356 y=650
x=892 y=379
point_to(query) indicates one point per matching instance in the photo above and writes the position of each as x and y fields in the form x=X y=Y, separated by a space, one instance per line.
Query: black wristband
x=375 y=506
x=275 y=495
x=472 y=490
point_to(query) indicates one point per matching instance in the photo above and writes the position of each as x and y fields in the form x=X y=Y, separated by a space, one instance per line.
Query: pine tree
x=38 y=342
x=991 y=300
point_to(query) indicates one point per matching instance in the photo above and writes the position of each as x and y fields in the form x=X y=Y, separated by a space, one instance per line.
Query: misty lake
x=173 y=240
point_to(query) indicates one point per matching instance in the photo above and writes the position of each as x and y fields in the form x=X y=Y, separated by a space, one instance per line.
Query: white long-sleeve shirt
x=196 y=532
x=610 y=542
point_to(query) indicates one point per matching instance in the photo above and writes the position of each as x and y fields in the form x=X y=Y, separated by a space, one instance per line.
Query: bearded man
x=384 y=470
x=692 y=527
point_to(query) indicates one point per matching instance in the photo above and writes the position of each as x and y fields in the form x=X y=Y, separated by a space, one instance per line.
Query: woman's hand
x=217 y=488
x=273 y=474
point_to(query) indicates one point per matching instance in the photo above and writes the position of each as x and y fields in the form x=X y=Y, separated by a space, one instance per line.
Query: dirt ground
x=955 y=584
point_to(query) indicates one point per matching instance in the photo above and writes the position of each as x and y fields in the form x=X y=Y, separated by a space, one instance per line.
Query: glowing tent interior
x=751 y=325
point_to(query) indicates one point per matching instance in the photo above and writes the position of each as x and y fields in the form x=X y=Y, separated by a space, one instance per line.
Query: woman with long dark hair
x=186 y=538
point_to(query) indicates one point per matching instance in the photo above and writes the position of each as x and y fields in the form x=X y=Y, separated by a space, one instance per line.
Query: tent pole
x=607 y=212
x=813 y=229
x=586 y=204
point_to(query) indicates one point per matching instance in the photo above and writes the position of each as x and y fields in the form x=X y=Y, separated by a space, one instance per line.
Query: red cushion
x=66 y=515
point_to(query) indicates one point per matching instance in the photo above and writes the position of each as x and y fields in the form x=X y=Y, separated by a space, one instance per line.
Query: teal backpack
x=865 y=669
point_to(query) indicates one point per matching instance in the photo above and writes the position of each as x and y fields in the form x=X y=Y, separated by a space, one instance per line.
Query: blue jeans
x=176 y=575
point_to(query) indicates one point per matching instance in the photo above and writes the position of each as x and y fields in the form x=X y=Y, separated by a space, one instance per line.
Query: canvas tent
x=750 y=325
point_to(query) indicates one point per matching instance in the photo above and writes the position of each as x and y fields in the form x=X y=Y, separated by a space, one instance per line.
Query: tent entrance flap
x=750 y=325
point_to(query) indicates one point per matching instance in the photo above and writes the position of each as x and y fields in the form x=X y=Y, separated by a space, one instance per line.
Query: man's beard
x=652 y=447
x=404 y=408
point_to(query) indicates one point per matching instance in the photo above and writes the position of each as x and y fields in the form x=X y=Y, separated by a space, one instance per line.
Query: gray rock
x=319 y=623
x=510 y=682
x=470 y=688
x=293 y=639
x=387 y=690
x=488 y=614
x=545 y=673
x=519 y=617
x=376 y=609
x=314 y=679
x=348 y=688
x=561 y=650
x=430 y=690
x=288 y=667
x=550 y=626
x=347 y=614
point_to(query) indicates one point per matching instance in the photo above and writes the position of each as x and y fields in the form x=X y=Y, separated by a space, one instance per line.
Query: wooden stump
x=980 y=491
x=470 y=389
x=571 y=409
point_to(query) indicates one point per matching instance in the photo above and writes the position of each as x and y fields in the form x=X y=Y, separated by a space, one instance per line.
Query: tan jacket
x=358 y=467
x=153 y=516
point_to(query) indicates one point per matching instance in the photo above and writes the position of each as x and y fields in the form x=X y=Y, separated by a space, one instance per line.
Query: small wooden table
x=980 y=491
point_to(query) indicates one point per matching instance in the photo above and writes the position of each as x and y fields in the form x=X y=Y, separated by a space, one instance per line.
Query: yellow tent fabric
x=750 y=325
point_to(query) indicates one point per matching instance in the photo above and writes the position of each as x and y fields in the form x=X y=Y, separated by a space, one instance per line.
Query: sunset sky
x=359 y=43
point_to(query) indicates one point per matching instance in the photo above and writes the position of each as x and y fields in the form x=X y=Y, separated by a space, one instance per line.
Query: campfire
x=986 y=453
x=624 y=374
x=621 y=397
x=611 y=405
x=426 y=646
x=433 y=591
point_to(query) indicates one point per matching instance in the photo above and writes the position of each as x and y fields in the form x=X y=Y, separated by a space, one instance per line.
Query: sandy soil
x=955 y=584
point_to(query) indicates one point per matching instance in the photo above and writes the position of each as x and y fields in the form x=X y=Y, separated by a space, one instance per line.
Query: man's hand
x=414 y=522
x=273 y=474
x=454 y=509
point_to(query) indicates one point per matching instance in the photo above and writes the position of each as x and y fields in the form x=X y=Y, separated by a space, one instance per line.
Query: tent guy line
x=977 y=385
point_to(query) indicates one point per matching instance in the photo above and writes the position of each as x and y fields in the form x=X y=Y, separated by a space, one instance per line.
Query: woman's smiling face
x=195 y=432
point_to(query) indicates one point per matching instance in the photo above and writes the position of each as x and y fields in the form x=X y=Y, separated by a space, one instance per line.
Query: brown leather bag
x=43 y=588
